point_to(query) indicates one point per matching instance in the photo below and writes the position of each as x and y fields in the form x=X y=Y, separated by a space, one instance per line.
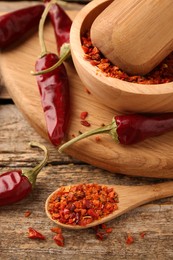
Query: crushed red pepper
x=56 y=230
x=142 y=234
x=34 y=234
x=163 y=73
x=85 y=123
x=97 y=138
x=102 y=231
x=82 y=204
x=59 y=239
x=27 y=213
x=129 y=240
x=83 y=115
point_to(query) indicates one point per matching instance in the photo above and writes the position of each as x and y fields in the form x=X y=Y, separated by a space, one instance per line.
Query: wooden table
x=150 y=225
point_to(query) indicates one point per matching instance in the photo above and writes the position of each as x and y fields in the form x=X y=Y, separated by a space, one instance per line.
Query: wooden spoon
x=130 y=197
x=136 y=35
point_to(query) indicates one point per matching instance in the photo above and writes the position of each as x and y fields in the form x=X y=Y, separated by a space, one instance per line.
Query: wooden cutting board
x=151 y=158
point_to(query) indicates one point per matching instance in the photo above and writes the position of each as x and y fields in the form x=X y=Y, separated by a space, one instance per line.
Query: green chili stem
x=41 y=29
x=32 y=173
x=64 y=56
x=109 y=129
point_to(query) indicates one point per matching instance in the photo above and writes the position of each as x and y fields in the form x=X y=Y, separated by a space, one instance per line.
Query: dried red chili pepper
x=82 y=204
x=131 y=129
x=17 y=184
x=18 y=23
x=34 y=234
x=61 y=23
x=54 y=90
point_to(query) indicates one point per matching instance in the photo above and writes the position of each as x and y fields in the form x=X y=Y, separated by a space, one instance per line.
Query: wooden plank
x=154 y=219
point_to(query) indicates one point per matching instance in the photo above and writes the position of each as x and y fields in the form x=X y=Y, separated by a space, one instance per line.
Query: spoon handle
x=135 y=196
x=162 y=190
x=140 y=195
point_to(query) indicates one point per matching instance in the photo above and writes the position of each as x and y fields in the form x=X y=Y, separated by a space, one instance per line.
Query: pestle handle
x=135 y=35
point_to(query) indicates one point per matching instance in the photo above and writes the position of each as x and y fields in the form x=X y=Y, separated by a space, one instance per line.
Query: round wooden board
x=151 y=158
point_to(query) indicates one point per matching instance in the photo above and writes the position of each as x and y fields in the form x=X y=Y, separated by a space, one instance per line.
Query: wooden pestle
x=135 y=35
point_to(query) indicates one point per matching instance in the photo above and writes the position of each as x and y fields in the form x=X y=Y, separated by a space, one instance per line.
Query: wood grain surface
x=150 y=225
x=151 y=158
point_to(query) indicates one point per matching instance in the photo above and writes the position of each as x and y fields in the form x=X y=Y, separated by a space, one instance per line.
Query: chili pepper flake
x=59 y=239
x=102 y=231
x=142 y=234
x=129 y=240
x=27 y=213
x=56 y=230
x=101 y=235
x=97 y=138
x=163 y=73
x=83 y=115
x=34 y=234
x=85 y=123
x=82 y=204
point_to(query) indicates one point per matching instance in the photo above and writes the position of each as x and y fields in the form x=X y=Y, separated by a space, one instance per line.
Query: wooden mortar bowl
x=124 y=97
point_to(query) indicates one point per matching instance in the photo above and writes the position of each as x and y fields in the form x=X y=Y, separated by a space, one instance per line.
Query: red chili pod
x=15 y=24
x=61 y=23
x=54 y=89
x=18 y=184
x=54 y=92
x=131 y=129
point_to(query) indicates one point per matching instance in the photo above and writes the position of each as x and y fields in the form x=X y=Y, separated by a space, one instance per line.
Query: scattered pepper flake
x=102 y=231
x=27 y=213
x=109 y=230
x=34 y=234
x=83 y=115
x=85 y=123
x=101 y=235
x=59 y=239
x=142 y=234
x=129 y=240
x=97 y=138
x=57 y=230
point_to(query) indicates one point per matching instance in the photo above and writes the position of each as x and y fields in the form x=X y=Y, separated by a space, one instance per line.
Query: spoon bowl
x=122 y=96
x=129 y=197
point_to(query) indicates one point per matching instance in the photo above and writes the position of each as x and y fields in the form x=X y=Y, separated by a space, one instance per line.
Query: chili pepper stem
x=109 y=129
x=64 y=56
x=65 y=49
x=32 y=173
